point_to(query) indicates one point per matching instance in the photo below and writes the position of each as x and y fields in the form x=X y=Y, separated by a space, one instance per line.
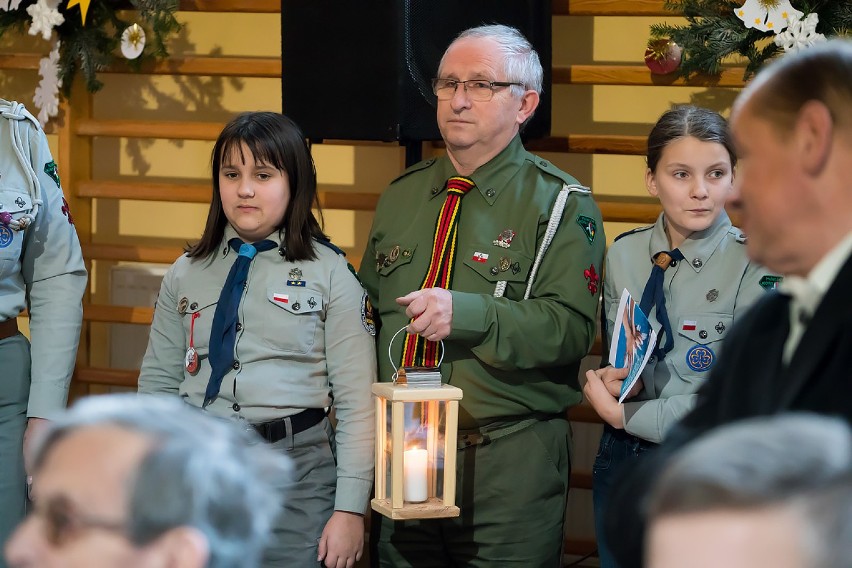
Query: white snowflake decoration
x=46 y=96
x=45 y=17
x=800 y=33
x=767 y=15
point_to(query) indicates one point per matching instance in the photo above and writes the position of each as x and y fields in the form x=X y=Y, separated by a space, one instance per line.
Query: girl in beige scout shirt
x=286 y=336
x=709 y=284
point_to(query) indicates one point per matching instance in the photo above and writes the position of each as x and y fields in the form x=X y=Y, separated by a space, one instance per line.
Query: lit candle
x=414 y=463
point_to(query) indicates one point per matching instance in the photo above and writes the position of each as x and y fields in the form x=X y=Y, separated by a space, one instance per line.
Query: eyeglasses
x=62 y=522
x=477 y=89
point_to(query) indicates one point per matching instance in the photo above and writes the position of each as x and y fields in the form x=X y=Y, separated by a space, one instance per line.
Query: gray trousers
x=308 y=497
x=14 y=397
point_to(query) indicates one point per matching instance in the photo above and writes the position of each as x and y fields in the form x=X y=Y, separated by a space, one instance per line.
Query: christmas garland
x=757 y=30
x=84 y=36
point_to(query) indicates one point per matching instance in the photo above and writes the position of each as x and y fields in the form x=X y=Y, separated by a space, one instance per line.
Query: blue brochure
x=633 y=341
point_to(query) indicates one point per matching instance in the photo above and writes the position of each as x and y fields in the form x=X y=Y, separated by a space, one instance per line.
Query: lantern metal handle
x=390 y=357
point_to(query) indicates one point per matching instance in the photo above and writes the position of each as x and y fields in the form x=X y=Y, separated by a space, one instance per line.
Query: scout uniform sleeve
x=651 y=419
x=162 y=367
x=756 y=281
x=556 y=325
x=55 y=276
x=351 y=361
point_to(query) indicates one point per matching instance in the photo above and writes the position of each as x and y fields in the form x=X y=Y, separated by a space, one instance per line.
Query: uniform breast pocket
x=702 y=336
x=292 y=318
x=493 y=264
x=13 y=205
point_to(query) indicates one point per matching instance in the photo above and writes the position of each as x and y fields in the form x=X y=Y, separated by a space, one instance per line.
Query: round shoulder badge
x=5 y=236
x=368 y=318
x=700 y=358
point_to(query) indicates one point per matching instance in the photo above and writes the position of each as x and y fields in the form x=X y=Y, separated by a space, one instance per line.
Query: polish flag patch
x=688 y=325
x=480 y=256
x=285 y=299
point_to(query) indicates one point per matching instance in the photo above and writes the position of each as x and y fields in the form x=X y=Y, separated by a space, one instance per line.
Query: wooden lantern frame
x=394 y=506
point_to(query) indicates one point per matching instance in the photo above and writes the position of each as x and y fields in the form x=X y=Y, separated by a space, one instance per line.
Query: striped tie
x=416 y=349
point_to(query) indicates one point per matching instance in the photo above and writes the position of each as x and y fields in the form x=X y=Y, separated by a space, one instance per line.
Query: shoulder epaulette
x=633 y=231
x=341 y=252
x=415 y=168
x=738 y=235
x=332 y=246
x=552 y=170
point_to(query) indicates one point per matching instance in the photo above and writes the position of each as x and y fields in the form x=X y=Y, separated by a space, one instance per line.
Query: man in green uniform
x=497 y=254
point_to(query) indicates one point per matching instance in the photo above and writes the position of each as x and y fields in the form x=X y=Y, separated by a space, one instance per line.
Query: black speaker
x=363 y=70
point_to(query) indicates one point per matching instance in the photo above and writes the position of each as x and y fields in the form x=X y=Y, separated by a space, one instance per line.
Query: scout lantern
x=416 y=450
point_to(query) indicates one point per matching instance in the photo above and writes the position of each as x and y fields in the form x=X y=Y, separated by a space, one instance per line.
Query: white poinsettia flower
x=46 y=97
x=45 y=17
x=767 y=15
x=800 y=33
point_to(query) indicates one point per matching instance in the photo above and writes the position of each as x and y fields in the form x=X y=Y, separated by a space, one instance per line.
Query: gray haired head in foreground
x=798 y=461
x=202 y=472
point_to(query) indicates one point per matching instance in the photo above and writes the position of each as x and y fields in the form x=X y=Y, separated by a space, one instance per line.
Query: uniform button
x=282 y=251
x=651 y=359
x=193 y=306
x=542 y=163
x=236 y=407
x=702 y=334
x=494 y=270
x=490 y=193
x=236 y=365
x=697 y=263
x=435 y=190
x=673 y=263
x=239 y=326
x=297 y=306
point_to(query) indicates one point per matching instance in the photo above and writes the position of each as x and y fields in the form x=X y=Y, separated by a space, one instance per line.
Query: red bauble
x=663 y=56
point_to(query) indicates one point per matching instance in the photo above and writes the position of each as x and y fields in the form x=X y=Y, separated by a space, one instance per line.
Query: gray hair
x=800 y=462
x=201 y=472
x=521 y=62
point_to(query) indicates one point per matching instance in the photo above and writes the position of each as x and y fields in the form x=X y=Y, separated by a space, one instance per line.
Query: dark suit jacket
x=750 y=380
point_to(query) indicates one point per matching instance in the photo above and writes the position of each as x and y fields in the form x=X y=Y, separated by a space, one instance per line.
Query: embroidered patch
x=688 y=325
x=712 y=295
x=297 y=283
x=589 y=226
x=51 y=170
x=368 y=317
x=720 y=328
x=480 y=256
x=66 y=210
x=700 y=358
x=295 y=274
x=5 y=236
x=770 y=281
x=281 y=298
x=591 y=275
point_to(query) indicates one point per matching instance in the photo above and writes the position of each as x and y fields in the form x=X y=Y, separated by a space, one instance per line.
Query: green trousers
x=512 y=495
x=14 y=397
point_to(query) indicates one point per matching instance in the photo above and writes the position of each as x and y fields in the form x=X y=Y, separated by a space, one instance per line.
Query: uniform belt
x=494 y=431
x=290 y=425
x=8 y=328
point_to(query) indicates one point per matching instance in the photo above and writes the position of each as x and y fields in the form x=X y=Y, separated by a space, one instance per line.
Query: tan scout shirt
x=705 y=293
x=313 y=351
x=511 y=357
x=41 y=267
